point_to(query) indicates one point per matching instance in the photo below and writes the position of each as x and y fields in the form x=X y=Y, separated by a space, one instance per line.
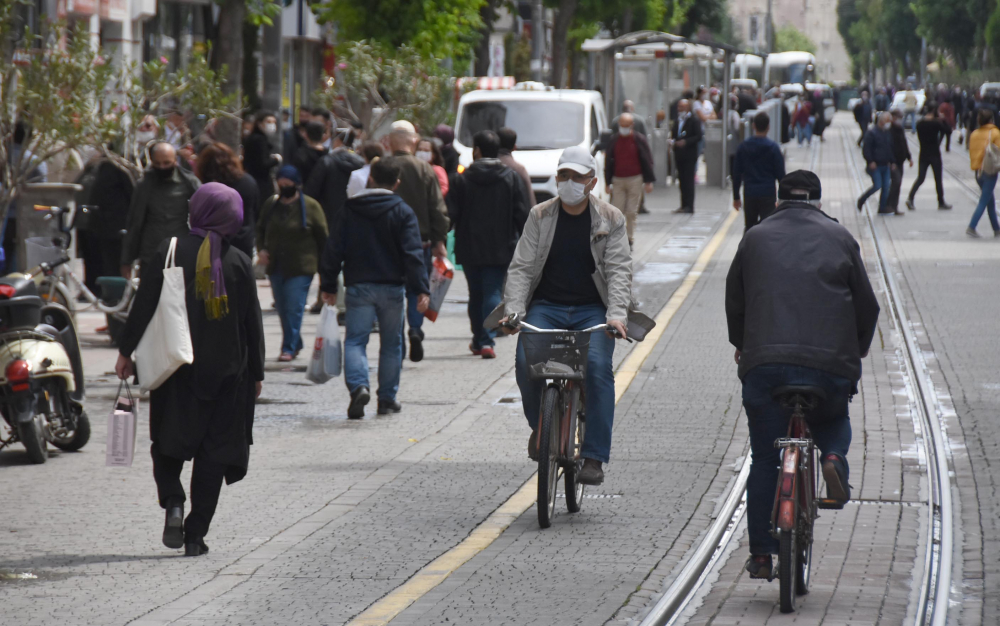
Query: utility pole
x=923 y=62
x=770 y=27
x=537 y=39
x=271 y=55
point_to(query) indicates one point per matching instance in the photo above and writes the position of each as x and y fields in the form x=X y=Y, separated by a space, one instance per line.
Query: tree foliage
x=434 y=28
x=788 y=38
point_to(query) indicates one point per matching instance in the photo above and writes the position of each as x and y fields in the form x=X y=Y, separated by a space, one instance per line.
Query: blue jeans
x=881 y=181
x=912 y=116
x=805 y=132
x=987 y=201
x=599 y=385
x=768 y=420
x=485 y=293
x=290 y=296
x=365 y=303
x=413 y=317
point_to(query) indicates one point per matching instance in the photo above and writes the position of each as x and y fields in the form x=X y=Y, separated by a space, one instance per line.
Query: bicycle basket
x=556 y=356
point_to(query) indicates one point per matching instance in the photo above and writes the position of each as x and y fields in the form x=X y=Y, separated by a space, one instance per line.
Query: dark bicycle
x=795 y=502
x=560 y=357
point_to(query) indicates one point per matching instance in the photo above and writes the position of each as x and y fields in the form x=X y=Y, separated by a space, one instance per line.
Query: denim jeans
x=413 y=317
x=881 y=181
x=599 y=385
x=367 y=302
x=485 y=293
x=805 y=132
x=768 y=420
x=987 y=201
x=290 y=296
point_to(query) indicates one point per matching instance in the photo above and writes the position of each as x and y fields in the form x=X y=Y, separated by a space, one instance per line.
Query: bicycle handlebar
x=514 y=323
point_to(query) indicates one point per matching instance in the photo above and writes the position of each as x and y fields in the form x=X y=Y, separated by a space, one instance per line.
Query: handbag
x=991 y=157
x=120 y=447
x=166 y=344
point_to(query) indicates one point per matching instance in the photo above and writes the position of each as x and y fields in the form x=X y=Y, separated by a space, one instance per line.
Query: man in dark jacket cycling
x=801 y=311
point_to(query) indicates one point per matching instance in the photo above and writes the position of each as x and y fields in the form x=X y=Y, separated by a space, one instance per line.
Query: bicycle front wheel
x=574 y=489
x=788 y=570
x=548 y=456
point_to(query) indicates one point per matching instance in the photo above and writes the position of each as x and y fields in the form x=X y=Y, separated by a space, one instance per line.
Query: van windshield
x=540 y=124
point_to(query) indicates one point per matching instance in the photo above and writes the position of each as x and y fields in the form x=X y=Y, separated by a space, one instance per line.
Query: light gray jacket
x=608 y=244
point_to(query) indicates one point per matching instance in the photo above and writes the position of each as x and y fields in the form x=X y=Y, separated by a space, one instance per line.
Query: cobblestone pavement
x=334 y=514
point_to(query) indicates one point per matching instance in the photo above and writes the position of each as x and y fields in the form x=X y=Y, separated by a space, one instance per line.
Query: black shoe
x=861 y=204
x=909 y=205
x=359 y=398
x=386 y=407
x=533 y=446
x=416 y=345
x=196 y=547
x=316 y=308
x=591 y=473
x=759 y=566
x=173 y=527
x=643 y=210
x=835 y=475
x=684 y=210
x=944 y=206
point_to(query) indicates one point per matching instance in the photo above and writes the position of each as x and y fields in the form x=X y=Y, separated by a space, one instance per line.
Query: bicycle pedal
x=826 y=503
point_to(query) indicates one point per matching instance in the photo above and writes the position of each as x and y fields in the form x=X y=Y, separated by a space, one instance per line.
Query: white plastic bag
x=327 y=354
x=120 y=448
x=442 y=273
x=166 y=344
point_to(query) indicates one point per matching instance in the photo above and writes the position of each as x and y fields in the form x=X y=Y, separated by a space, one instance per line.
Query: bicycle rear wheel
x=788 y=570
x=574 y=490
x=548 y=456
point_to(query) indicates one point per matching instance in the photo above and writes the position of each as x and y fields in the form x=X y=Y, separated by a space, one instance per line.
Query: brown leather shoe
x=533 y=446
x=759 y=566
x=591 y=473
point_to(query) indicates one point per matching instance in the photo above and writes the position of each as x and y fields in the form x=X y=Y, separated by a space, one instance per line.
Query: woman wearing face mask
x=429 y=152
x=291 y=235
x=258 y=152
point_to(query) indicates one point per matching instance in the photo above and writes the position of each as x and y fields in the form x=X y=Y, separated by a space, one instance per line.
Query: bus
x=748 y=66
x=782 y=68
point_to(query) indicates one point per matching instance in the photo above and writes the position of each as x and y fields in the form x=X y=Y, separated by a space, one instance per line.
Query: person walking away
x=419 y=189
x=564 y=276
x=930 y=129
x=447 y=136
x=882 y=101
x=159 y=208
x=488 y=210
x=910 y=106
x=370 y=150
x=508 y=143
x=291 y=236
x=819 y=114
x=795 y=263
x=429 y=153
x=310 y=150
x=204 y=412
x=217 y=163
x=258 y=152
x=880 y=157
x=638 y=124
x=376 y=243
x=628 y=168
x=980 y=138
x=901 y=154
x=946 y=112
x=802 y=121
x=758 y=167
x=685 y=135
x=111 y=192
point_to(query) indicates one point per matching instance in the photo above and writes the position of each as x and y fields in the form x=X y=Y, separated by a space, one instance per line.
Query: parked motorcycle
x=41 y=368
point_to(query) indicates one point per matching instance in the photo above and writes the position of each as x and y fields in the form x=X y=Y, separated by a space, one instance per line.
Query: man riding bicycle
x=801 y=311
x=572 y=269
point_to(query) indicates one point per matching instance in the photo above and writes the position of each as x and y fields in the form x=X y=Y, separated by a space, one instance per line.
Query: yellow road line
x=434 y=573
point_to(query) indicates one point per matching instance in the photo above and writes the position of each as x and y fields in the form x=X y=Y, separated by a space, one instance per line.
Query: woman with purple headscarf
x=204 y=411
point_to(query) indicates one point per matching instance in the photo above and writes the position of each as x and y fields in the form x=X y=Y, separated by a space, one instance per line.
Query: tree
x=789 y=38
x=949 y=26
x=439 y=29
x=565 y=11
x=708 y=13
x=488 y=14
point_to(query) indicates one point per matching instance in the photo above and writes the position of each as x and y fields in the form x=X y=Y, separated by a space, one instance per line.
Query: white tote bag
x=166 y=344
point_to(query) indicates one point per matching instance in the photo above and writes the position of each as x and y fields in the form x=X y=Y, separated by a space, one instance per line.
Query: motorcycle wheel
x=31 y=435
x=79 y=437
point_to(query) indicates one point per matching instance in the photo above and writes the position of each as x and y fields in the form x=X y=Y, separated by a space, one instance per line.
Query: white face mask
x=887 y=126
x=625 y=131
x=143 y=137
x=572 y=192
x=270 y=129
x=424 y=155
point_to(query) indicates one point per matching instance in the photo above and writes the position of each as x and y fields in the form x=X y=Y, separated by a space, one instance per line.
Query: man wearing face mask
x=685 y=136
x=258 y=152
x=159 y=208
x=572 y=269
x=628 y=168
x=880 y=156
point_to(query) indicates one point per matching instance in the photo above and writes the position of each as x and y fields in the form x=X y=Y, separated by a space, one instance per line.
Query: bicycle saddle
x=810 y=394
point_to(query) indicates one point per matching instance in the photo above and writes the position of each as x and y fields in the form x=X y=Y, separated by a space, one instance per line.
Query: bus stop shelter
x=652 y=69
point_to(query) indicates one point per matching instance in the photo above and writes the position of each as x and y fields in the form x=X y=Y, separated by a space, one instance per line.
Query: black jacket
x=878 y=147
x=258 y=161
x=691 y=134
x=305 y=159
x=327 y=184
x=798 y=293
x=375 y=239
x=488 y=208
x=863 y=113
x=759 y=166
x=645 y=158
x=900 y=147
x=111 y=192
x=246 y=186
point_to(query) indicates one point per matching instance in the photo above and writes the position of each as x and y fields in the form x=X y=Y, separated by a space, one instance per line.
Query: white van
x=546 y=121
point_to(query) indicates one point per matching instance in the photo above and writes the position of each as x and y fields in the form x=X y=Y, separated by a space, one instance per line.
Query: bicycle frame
x=795 y=500
x=66 y=275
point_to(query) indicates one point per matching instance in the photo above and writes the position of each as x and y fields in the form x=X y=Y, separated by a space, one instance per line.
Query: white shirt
x=358 y=181
x=705 y=107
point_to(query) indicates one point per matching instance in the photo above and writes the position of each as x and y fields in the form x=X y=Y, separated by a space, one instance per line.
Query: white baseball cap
x=578 y=159
x=402 y=126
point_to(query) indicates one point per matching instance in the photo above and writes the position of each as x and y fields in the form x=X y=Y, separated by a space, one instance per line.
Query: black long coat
x=208 y=405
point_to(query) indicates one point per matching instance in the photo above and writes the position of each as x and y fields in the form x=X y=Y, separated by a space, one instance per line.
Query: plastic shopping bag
x=327 y=354
x=120 y=448
x=441 y=276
